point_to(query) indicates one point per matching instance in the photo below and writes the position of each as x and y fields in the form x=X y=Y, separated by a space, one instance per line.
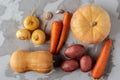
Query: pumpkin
x=90 y=24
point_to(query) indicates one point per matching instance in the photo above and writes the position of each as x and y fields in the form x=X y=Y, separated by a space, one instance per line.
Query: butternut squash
x=39 y=61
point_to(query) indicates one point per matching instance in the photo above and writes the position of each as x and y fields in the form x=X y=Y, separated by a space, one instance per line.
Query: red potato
x=69 y=65
x=86 y=63
x=75 y=51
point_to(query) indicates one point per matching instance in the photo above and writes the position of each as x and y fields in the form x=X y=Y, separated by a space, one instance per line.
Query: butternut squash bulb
x=90 y=24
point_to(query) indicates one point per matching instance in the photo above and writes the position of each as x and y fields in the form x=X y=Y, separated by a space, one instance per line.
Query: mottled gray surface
x=12 y=14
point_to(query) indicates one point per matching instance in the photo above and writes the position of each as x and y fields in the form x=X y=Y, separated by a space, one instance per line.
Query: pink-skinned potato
x=75 y=51
x=69 y=65
x=85 y=63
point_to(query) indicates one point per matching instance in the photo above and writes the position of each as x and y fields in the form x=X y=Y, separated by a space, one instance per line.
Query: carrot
x=66 y=22
x=55 y=35
x=101 y=63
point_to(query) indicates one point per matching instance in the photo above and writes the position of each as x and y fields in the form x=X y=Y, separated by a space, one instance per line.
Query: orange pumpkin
x=90 y=24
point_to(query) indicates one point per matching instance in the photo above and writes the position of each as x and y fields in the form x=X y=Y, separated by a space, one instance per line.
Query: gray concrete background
x=12 y=14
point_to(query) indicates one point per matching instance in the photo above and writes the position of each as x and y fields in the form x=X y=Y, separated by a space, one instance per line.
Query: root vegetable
x=23 y=34
x=69 y=65
x=55 y=35
x=38 y=37
x=85 y=63
x=101 y=63
x=75 y=51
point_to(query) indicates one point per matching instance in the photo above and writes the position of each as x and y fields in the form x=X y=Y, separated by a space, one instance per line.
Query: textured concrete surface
x=12 y=14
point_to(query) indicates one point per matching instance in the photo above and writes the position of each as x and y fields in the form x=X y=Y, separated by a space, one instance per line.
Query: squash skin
x=39 y=61
x=81 y=24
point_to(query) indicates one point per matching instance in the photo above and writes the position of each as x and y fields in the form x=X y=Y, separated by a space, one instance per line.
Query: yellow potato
x=23 y=34
x=31 y=23
x=38 y=37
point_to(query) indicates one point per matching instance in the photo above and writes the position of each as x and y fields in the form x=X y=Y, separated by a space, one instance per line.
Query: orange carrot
x=101 y=63
x=55 y=35
x=66 y=22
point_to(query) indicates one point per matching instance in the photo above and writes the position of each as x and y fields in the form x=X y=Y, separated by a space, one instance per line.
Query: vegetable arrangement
x=31 y=24
x=90 y=24
x=75 y=52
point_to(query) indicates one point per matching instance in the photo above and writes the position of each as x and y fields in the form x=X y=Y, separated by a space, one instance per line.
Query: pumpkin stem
x=93 y=23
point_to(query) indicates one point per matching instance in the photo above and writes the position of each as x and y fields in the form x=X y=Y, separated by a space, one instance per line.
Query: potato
x=75 y=51
x=69 y=65
x=86 y=63
x=23 y=34
x=31 y=23
x=38 y=37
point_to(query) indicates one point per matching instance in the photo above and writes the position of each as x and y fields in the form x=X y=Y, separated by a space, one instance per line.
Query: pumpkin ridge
x=92 y=35
x=93 y=20
x=86 y=34
x=99 y=31
x=93 y=13
x=90 y=29
x=83 y=16
x=90 y=14
x=97 y=18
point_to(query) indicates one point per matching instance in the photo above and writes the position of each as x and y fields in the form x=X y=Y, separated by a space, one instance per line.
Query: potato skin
x=31 y=23
x=86 y=63
x=38 y=37
x=23 y=34
x=75 y=51
x=69 y=65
